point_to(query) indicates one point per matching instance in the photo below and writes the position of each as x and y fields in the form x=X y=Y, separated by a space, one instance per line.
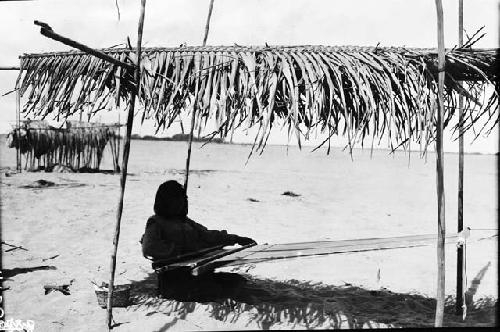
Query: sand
x=67 y=230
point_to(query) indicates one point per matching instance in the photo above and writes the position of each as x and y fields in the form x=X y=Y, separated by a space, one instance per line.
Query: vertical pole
x=439 y=170
x=181 y=124
x=78 y=151
x=18 y=127
x=193 y=115
x=497 y=88
x=232 y=133
x=123 y=177
x=460 y=250
x=119 y=142
x=117 y=107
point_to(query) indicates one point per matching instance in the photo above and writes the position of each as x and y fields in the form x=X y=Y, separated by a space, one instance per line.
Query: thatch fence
x=80 y=146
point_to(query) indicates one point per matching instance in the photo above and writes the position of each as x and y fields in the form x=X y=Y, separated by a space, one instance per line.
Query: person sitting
x=170 y=233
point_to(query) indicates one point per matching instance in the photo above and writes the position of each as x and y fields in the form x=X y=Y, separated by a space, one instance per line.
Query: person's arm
x=215 y=237
x=153 y=245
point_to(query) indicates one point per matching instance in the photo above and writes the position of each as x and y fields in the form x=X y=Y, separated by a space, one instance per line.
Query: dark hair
x=171 y=200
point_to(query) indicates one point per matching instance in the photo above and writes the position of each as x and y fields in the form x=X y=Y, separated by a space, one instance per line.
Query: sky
x=410 y=23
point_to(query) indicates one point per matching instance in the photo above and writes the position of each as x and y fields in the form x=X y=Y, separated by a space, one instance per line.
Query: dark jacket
x=173 y=236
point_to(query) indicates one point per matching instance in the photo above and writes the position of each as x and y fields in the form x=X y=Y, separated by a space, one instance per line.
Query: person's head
x=171 y=200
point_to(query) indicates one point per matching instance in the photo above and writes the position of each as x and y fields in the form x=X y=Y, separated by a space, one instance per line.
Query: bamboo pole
x=193 y=115
x=460 y=250
x=439 y=171
x=123 y=177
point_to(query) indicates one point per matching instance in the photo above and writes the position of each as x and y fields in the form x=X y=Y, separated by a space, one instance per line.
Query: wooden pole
x=193 y=115
x=497 y=88
x=78 y=156
x=47 y=31
x=207 y=25
x=117 y=107
x=439 y=171
x=18 y=126
x=232 y=133
x=117 y=168
x=123 y=177
x=9 y=68
x=460 y=250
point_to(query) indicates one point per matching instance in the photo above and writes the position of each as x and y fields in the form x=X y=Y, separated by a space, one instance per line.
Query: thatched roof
x=357 y=91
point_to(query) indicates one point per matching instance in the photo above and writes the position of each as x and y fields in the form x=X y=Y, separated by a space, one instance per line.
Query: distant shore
x=185 y=138
x=177 y=138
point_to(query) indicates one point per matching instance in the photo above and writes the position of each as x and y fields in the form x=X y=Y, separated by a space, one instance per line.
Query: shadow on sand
x=9 y=273
x=228 y=297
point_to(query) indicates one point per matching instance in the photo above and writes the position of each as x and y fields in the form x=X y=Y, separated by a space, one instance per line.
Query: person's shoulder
x=153 y=217
x=152 y=220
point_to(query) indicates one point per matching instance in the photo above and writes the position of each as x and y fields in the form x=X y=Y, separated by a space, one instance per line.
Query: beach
x=67 y=231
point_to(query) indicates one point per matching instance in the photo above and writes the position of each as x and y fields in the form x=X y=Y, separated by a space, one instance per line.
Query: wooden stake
x=193 y=115
x=439 y=171
x=123 y=177
x=460 y=250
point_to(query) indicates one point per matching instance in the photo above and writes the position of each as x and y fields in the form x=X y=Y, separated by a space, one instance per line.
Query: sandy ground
x=67 y=230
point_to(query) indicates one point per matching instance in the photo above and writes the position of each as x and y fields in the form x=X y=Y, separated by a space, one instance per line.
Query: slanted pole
x=439 y=171
x=47 y=31
x=123 y=177
x=207 y=25
x=460 y=250
x=193 y=115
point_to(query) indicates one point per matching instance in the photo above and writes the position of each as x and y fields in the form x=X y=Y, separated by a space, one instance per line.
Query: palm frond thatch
x=355 y=91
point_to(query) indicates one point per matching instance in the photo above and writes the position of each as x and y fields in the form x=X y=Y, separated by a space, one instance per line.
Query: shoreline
x=304 y=146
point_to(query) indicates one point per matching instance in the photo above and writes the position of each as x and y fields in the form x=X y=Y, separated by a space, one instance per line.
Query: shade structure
x=348 y=90
x=80 y=145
